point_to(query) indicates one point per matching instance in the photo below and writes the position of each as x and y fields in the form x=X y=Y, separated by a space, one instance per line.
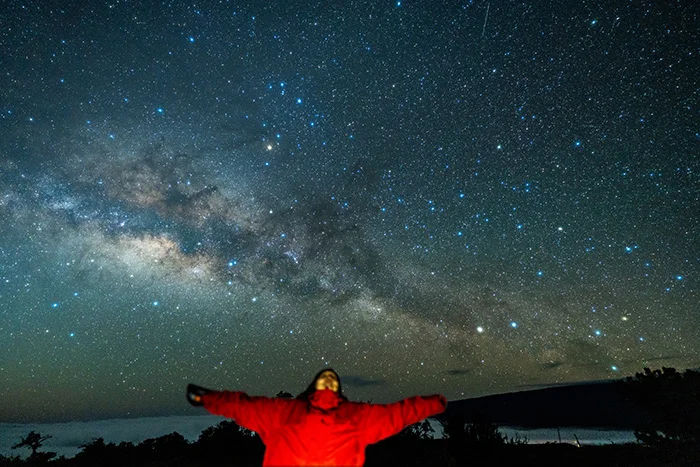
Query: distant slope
x=600 y=405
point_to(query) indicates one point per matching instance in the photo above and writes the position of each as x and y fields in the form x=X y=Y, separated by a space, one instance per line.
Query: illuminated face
x=327 y=380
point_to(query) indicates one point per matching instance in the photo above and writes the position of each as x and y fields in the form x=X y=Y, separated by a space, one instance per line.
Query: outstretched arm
x=383 y=420
x=257 y=413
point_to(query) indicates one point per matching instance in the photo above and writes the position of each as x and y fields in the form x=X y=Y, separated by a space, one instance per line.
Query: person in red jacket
x=321 y=427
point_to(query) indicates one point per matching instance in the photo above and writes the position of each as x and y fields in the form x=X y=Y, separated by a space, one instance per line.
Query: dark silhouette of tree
x=104 y=454
x=472 y=439
x=478 y=432
x=171 y=449
x=34 y=441
x=412 y=446
x=10 y=461
x=229 y=443
x=484 y=434
x=284 y=395
x=672 y=403
x=421 y=430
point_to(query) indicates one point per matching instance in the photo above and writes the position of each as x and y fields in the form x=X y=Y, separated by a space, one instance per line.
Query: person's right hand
x=195 y=393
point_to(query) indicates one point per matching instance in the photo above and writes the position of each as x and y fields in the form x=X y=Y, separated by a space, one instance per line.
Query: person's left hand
x=195 y=393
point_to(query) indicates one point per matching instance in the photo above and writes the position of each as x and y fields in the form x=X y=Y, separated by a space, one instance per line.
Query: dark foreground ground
x=567 y=455
x=393 y=453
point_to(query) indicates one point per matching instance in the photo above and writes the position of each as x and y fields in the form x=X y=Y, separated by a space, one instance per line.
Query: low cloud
x=359 y=381
x=551 y=365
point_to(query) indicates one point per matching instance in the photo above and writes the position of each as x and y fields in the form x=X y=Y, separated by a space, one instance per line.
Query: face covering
x=324 y=399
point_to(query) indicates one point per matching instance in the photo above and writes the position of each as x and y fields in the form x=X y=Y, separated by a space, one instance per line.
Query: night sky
x=464 y=197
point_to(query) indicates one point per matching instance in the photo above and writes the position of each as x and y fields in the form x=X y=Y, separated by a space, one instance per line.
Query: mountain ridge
x=594 y=405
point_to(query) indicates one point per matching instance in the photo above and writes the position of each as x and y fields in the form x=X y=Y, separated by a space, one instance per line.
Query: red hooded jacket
x=326 y=430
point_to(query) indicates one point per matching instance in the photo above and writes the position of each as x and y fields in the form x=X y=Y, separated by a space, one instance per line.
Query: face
x=327 y=380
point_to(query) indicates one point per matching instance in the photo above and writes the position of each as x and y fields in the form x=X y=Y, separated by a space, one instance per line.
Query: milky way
x=428 y=201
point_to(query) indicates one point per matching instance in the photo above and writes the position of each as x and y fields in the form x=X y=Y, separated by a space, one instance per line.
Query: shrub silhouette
x=413 y=446
x=106 y=455
x=672 y=402
x=418 y=431
x=227 y=442
x=479 y=432
x=10 y=461
x=476 y=440
x=171 y=449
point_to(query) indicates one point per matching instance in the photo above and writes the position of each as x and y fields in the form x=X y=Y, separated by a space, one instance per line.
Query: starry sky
x=465 y=197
